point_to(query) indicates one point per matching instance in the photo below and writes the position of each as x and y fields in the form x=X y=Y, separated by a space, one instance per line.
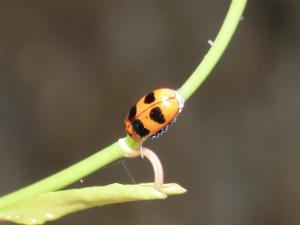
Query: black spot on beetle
x=139 y=128
x=149 y=98
x=132 y=113
x=156 y=115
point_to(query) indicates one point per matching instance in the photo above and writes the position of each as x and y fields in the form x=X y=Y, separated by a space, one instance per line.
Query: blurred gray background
x=70 y=70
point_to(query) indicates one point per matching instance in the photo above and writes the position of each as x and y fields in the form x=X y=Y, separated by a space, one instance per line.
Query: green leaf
x=54 y=205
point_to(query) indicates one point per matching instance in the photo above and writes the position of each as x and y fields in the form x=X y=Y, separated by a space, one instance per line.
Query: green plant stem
x=113 y=152
x=215 y=52
x=70 y=174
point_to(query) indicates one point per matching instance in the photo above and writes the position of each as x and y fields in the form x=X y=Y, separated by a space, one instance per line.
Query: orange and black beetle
x=152 y=114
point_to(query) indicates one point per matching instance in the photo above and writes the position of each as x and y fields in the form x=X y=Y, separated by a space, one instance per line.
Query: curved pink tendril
x=157 y=167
